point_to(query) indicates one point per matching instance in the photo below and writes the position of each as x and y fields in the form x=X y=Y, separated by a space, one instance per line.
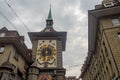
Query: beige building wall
x=18 y=64
x=103 y=63
x=113 y=40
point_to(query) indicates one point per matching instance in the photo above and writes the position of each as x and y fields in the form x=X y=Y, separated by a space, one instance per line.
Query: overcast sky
x=68 y=15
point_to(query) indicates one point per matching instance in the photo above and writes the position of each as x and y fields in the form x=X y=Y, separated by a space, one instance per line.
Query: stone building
x=103 y=60
x=47 y=48
x=15 y=57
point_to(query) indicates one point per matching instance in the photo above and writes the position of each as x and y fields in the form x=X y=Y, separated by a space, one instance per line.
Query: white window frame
x=116 y=21
x=2 y=34
x=108 y=4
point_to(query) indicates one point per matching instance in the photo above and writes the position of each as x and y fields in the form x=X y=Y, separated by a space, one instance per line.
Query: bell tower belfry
x=47 y=49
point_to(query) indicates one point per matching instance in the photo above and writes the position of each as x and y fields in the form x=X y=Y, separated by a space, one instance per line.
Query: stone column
x=33 y=73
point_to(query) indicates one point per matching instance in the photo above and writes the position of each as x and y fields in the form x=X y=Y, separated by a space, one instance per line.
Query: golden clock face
x=46 y=53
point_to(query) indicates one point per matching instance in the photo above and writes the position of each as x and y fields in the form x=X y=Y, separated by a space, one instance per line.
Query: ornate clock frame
x=46 y=54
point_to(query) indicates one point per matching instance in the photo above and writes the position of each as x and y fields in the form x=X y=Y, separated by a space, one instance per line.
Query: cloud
x=86 y=5
x=73 y=70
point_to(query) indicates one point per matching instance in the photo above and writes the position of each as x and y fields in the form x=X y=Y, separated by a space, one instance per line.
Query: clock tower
x=47 y=49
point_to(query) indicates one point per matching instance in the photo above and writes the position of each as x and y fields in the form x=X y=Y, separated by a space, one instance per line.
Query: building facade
x=103 y=60
x=15 y=57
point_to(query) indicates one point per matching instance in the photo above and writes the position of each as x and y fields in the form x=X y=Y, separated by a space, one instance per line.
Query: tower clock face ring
x=47 y=53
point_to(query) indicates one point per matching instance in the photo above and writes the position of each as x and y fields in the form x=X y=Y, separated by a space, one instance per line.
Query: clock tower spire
x=49 y=21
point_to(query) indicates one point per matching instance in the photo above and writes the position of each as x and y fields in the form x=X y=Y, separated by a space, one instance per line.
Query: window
x=103 y=55
x=2 y=48
x=16 y=55
x=1 y=74
x=116 y=22
x=108 y=72
x=47 y=30
x=111 y=68
x=2 y=34
x=119 y=35
x=105 y=49
x=108 y=4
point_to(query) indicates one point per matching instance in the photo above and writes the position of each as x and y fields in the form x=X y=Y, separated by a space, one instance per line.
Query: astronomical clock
x=46 y=55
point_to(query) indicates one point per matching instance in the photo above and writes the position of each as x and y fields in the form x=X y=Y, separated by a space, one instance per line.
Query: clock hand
x=46 y=57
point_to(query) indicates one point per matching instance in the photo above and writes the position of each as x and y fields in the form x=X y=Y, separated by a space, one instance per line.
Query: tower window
x=2 y=34
x=116 y=22
x=47 y=30
x=2 y=47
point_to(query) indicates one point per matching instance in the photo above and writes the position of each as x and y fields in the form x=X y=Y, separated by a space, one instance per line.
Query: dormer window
x=108 y=4
x=2 y=47
x=116 y=22
x=1 y=75
x=2 y=34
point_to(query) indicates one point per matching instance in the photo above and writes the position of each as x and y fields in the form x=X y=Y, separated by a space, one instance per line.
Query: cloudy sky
x=68 y=15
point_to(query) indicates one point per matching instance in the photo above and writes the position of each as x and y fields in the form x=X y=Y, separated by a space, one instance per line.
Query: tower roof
x=50 y=14
x=49 y=23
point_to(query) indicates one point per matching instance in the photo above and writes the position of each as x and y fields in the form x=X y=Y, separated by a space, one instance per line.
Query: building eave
x=93 y=17
x=49 y=35
x=19 y=46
